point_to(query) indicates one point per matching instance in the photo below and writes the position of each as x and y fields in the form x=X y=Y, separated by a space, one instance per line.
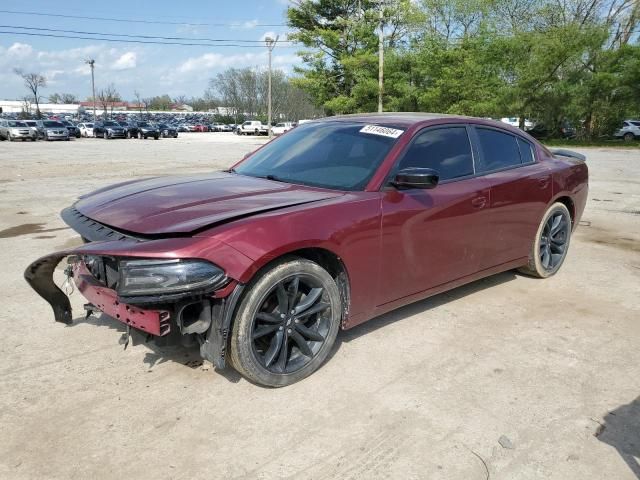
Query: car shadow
x=421 y=306
x=190 y=356
x=621 y=430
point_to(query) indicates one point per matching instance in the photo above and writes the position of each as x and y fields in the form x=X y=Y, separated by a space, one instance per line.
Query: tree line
x=551 y=61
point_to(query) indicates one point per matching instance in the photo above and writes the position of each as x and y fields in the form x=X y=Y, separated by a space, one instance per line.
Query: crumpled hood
x=166 y=205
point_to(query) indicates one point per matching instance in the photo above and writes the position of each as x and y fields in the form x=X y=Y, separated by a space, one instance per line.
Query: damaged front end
x=171 y=300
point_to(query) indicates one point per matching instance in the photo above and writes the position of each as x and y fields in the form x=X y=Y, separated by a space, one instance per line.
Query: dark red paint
x=397 y=246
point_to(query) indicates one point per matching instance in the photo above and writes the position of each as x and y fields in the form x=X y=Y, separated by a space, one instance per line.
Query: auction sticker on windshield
x=384 y=131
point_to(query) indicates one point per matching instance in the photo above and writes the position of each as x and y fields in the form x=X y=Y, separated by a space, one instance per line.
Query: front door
x=431 y=237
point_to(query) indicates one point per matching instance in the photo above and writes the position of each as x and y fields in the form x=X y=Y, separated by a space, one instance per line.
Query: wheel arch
x=567 y=202
x=327 y=259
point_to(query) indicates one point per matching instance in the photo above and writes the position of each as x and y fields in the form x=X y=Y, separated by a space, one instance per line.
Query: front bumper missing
x=155 y=322
x=210 y=329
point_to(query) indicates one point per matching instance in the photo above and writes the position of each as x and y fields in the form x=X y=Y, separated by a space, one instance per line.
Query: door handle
x=543 y=182
x=479 y=202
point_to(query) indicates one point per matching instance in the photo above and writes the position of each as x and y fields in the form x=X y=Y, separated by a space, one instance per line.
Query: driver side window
x=445 y=150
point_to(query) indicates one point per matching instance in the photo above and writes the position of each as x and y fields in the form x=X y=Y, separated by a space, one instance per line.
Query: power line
x=189 y=39
x=117 y=40
x=129 y=20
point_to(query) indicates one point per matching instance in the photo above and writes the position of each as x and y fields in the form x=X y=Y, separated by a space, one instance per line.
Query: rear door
x=431 y=237
x=521 y=188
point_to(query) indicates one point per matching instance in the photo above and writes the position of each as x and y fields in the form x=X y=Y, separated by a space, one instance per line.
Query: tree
x=34 y=82
x=63 y=98
x=107 y=97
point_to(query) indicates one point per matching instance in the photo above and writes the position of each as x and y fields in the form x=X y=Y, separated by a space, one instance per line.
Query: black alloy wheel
x=286 y=324
x=553 y=243
x=290 y=328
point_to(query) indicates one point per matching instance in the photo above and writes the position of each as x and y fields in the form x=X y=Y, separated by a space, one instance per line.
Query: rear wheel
x=286 y=324
x=551 y=244
x=628 y=137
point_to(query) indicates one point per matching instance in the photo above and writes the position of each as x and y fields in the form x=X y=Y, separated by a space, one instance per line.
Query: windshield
x=337 y=155
x=111 y=124
x=17 y=124
x=89 y=125
x=143 y=124
x=52 y=124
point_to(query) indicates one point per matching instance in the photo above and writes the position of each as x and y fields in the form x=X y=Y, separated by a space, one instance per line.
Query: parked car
x=201 y=128
x=166 y=131
x=629 y=131
x=16 y=130
x=130 y=129
x=252 y=127
x=108 y=129
x=54 y=130
x=337 y=222
x=281 y=128
x=540 y=131
x=515 y=122
x=33 y=126
x=225 y=128
x=73 y=130
x=183 y=128
x=146 y=130
x=86 y=129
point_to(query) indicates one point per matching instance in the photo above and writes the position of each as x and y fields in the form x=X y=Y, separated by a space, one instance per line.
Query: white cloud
x=20 y=50
x=125 y=62
x=248 y=25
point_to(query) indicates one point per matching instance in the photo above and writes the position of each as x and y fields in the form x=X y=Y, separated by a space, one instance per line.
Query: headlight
x=150 y=277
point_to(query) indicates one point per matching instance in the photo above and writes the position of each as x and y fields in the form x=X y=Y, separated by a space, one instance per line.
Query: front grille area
x=90 y=229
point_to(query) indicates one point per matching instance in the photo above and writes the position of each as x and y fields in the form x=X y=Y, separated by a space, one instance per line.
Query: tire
x=10 y=138
x=276 y=358
x=128 y=134
x=549 y=251
x=628 y=137
x=156 y=137
x=140 y=136
x=105 y=135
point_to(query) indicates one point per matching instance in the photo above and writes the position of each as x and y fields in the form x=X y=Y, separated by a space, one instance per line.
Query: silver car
x=54 y=130
x=16 y=130
x=630 y=130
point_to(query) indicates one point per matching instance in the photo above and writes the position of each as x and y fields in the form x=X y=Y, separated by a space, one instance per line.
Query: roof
x=404 y=119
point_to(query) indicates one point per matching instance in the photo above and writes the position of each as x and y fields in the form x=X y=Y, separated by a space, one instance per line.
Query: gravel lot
x=509 y=377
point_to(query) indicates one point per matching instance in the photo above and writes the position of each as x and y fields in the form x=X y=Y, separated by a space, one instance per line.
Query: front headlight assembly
x=157 y=277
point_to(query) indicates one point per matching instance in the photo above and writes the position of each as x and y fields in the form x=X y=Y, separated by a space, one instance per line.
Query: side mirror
x=424 y=178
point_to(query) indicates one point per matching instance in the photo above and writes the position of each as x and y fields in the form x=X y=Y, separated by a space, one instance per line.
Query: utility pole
x=381 y=56
x=91 y=62
x=271 y=43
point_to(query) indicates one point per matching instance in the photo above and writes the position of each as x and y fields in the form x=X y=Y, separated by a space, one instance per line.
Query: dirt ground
x=508 y=378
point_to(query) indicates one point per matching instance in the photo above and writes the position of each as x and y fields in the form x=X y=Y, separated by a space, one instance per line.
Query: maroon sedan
x=325 y=227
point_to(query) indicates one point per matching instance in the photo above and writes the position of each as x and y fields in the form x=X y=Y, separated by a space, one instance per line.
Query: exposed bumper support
x=40 y=276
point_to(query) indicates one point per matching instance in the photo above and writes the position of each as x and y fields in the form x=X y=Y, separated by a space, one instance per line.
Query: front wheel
x=551 y=243
x=105 y=135
x=286 y=323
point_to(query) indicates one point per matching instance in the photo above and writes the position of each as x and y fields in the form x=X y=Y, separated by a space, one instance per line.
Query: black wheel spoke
x=264 y=330
x=311 y=298
x=283 y=300
x=318 y=307
x=310 y=334
x=302 y=344
x=293 y=292
x=269 y=317
x=281 y=366
x=274 y=348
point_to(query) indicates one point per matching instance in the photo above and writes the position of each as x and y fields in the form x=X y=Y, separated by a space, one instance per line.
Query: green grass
x=611 y=143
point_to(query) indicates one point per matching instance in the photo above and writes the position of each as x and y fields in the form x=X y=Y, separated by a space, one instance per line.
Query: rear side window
x=446 y=150
x=499 y=150
x=526 y=151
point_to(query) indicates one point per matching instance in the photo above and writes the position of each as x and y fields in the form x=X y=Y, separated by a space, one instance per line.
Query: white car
x=86 y=129
x=252 y=127
x=280 y=128
x=515 y=122
x=630 y=130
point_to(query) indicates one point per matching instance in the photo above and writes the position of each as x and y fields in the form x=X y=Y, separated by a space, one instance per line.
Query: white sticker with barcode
x=384 y=131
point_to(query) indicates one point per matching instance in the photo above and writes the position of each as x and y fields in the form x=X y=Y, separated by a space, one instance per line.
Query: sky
x=148 y=68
